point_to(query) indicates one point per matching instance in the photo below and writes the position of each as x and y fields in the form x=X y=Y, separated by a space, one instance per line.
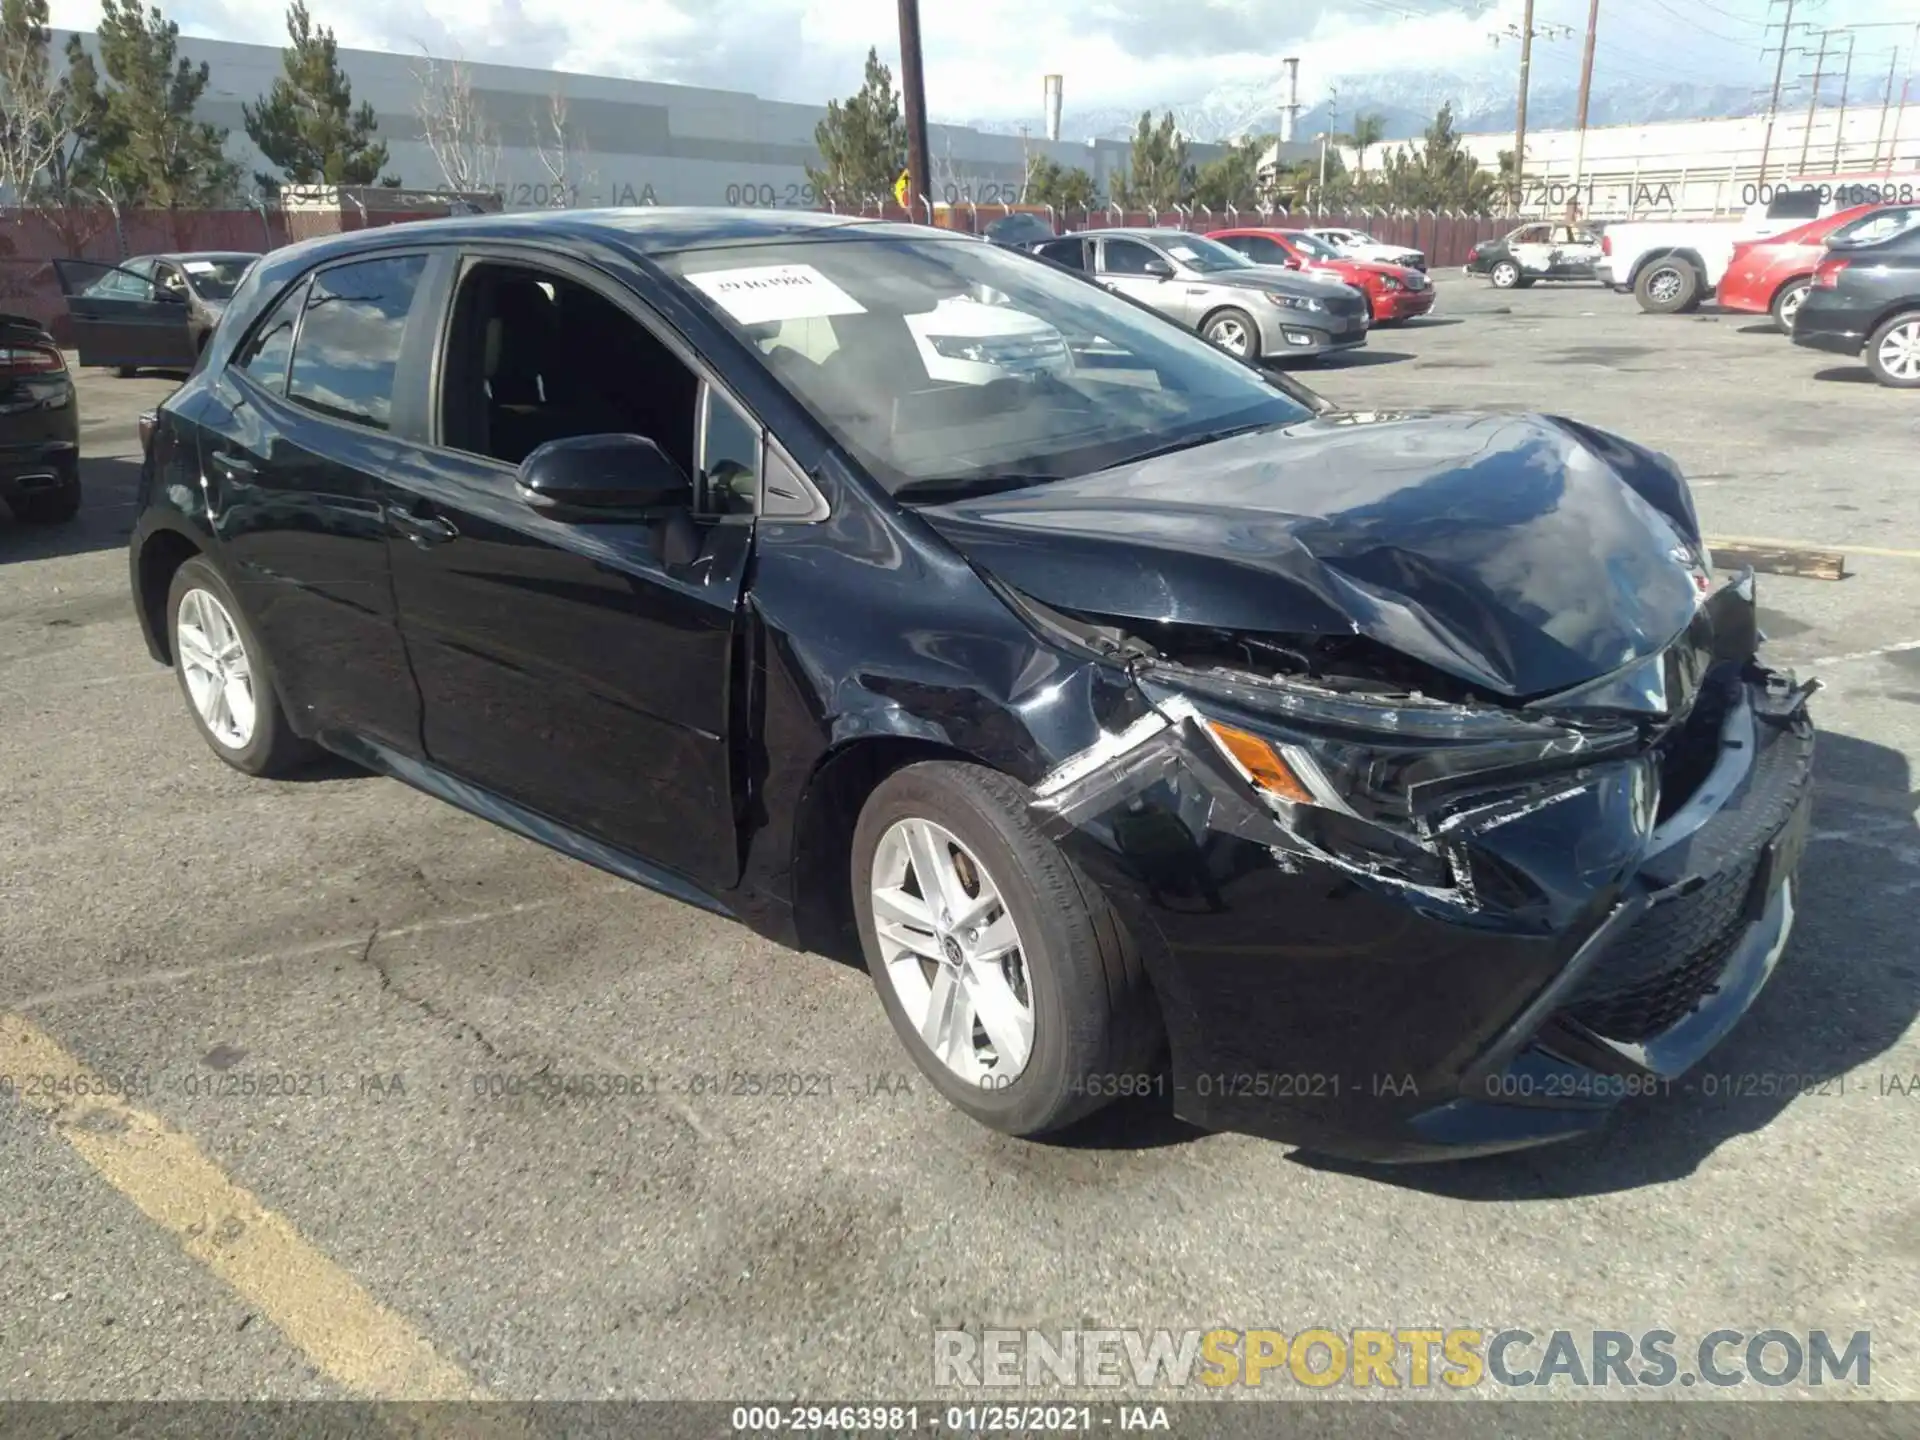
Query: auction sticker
x=761 y=293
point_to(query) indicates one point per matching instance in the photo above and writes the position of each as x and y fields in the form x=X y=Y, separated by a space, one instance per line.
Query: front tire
x=1003 y=969
x=1786 y=304
x=1893 y=352
x=226 y=677
x=1668 y=286
x=1505 y=275
x=1234 y=332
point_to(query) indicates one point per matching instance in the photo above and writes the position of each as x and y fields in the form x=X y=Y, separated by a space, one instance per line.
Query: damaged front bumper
x=1576 y=950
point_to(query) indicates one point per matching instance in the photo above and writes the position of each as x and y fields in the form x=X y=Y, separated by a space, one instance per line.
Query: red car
x=1394 y=292
x=1771 y=275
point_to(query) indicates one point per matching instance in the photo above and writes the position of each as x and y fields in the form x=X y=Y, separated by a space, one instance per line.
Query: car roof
x=1135 y=232
x=196 y=255
x=647 y=230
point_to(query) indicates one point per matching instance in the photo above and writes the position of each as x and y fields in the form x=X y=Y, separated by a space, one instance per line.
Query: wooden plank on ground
x=1798 y=560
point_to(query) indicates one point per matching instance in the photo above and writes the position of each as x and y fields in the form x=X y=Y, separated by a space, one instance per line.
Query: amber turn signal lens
x=1262 y=762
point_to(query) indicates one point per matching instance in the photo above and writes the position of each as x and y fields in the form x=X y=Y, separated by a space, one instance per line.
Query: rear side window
x=349 y=343
x=1794 y=205
x=264 y=357
x=1880 y=225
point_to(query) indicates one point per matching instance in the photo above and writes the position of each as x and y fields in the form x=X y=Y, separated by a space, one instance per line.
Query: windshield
x=949 y=366
x=1312 y=246
x=217 y=279
x=1196 y=252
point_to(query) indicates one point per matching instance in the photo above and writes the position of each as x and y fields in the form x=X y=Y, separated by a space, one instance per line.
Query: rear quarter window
x=351 y=330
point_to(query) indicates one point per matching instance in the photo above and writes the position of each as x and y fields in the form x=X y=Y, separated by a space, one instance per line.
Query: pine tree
x=1158 y=173
x=1441 y=174
x=1063 y=187
x=307 y=125
x=145 y=148
x=1232 y=179
x=863 y=142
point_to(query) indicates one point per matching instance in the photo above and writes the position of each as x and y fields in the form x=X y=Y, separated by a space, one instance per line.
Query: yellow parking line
x=1814 y=545
x=313 y=1302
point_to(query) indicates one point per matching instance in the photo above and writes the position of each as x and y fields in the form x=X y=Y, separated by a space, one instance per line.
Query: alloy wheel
x=1664 y=287
x=1505 y=275
x=1899 y=352
x=219 y=675
x=1790 y=305
x=952 y=953
x=1229 y=334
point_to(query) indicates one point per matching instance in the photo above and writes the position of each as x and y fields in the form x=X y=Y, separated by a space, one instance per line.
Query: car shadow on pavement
x=1847 y=990
x=1355 y=360
x=1847 y=375
x=1424 y=322
x=104 y=522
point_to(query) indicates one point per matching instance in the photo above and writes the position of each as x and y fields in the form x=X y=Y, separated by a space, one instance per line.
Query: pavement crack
x=462 y=1029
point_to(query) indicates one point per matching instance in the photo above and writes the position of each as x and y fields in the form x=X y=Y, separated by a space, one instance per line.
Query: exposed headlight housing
x=1387 y=282
x=1296 y=302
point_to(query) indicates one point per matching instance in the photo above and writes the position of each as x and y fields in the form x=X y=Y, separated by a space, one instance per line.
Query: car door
x=1532 y=249
x=300 y=428
x=1137 y=270
x=120 y=317
x=582 y=670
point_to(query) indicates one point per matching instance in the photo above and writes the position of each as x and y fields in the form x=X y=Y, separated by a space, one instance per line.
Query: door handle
x=235 y=466
x=1196 y=290
x=422 y=530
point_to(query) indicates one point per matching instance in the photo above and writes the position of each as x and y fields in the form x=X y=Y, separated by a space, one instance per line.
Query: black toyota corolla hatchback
x=1402 y=785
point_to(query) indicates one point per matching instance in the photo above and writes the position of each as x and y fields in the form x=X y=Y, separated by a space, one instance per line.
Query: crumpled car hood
x=1524 y=554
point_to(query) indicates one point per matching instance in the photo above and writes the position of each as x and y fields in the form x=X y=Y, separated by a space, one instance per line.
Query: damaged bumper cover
x=1501 y=974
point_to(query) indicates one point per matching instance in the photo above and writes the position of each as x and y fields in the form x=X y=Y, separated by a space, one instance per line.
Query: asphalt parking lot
x=395 y=1227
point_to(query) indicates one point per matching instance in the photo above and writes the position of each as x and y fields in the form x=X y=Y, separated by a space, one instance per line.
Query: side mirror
x=1159 y=269
x=623 y=476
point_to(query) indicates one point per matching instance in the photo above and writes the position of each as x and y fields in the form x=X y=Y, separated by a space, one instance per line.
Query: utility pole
x=1773 y=105
x=1813 y=102
x=1586 y=91
x=1524 y=34
x=1846 y=80
x=913 y=94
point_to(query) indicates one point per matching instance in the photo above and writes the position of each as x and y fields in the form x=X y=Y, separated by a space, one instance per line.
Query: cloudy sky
x=985 y=57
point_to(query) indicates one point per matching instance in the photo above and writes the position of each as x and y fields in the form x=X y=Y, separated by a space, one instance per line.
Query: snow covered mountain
x=1482 y=101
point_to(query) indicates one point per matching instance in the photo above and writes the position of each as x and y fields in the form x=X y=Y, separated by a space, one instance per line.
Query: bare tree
x=464 y=142
x=33 y=128
x=563 y=150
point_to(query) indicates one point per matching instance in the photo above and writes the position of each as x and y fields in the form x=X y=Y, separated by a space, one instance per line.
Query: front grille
x=1668 y=962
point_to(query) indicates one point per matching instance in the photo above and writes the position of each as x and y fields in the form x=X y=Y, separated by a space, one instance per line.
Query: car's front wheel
x=1007 y=976
x=1505 y=275
x=1893 y=352
x=1234 y=332
x=226 y=676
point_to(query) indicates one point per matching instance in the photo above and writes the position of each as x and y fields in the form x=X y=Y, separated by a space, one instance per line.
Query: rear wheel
x=1505 y=275
x=1005 y=973
x=1234 y=332
x=1893 y=352
x=1666 y=286
x=1786 y=304
x=225 y=674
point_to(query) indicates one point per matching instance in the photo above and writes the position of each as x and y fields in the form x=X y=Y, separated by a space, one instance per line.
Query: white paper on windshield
x=1182 y=252
x=198 y=267
x=758 y=294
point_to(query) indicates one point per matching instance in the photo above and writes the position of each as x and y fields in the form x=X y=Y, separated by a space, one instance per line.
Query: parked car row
x=1125 y=705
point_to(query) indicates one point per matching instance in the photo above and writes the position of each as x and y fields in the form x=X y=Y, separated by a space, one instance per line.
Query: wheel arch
x=1218 y=310
x=1907 y=305
x=1669 y=252
x=1786 y=285
x=158 y=560
x=829 y=808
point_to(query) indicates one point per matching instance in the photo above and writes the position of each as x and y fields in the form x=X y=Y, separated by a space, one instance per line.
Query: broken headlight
x=1397 y=761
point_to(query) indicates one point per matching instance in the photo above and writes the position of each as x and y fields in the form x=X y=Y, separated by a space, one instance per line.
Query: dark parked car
x=1256 y=312
x=1865 y=299
x=153 y=311
x=1021 y=230
x=39 y=424
x=1406 y=777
